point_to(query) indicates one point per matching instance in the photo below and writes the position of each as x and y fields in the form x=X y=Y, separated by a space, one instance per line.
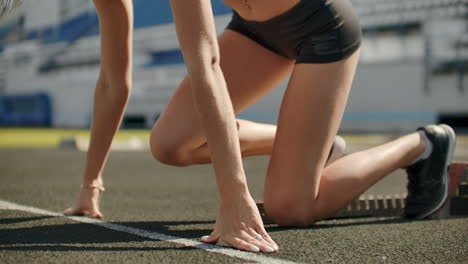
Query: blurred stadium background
x=412 y=70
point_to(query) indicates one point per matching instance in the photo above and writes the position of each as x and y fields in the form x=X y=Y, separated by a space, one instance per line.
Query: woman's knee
x=167 y=152
x=289 y=213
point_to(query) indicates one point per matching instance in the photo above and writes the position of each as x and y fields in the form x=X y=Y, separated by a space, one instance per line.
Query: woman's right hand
x=239 y=225
x=87 y=203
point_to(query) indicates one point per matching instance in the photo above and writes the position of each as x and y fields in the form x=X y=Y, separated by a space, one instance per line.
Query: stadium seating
x=26 y=110
x=73 y=29
x=372 y=13
x=375 y=16
x=376 y=13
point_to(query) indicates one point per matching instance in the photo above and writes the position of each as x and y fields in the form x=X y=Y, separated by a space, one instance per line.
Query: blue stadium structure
x=411 y=73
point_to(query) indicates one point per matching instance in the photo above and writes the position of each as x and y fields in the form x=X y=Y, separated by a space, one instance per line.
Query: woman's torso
x=261 y=10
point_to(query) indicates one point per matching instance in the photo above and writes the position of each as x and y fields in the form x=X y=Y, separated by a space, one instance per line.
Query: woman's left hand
x=240 y=226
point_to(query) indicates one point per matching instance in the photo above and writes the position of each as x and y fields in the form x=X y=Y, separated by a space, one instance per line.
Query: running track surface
x=155 y=214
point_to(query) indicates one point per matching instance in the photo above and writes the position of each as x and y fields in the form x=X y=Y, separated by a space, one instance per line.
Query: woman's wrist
x=233 y=192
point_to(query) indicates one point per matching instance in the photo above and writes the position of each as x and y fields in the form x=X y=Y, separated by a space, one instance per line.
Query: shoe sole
x=452 y=140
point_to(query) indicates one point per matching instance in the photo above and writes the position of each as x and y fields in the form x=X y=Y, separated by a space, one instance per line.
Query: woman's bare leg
x=111 y=96
x=298 y=189
x=250 y=72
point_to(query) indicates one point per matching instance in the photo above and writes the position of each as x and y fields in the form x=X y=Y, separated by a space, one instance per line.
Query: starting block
x=393 y=205
x=457 y=200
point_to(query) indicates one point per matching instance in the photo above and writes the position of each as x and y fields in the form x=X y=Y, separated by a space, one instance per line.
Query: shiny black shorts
x=313 y=31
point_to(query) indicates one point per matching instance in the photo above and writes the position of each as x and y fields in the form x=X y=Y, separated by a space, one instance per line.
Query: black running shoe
x=428 y=179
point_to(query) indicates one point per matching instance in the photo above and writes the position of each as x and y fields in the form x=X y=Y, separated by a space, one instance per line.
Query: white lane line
x=151 y=235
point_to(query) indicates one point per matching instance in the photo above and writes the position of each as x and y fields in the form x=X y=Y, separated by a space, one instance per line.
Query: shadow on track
x=184 y=229
x=344 y=222
x=6 y=221
x=89 y=248
x=64 y=237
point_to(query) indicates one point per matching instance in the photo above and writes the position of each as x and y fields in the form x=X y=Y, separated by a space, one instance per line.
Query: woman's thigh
x=309 y=119
x=250 y=72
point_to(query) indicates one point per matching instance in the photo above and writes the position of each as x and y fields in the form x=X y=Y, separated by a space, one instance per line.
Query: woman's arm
x=115 y=81
x=198 y=41
x=110 y=98
x=238 y=220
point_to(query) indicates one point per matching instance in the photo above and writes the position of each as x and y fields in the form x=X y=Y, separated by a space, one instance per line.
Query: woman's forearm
x=238 y=217
x=197 y=37
x=114 y=85
x=216 y=114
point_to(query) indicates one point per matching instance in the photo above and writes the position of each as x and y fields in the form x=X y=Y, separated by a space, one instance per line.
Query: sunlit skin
x=229 y=73
x=225 y=75
x=110 y=98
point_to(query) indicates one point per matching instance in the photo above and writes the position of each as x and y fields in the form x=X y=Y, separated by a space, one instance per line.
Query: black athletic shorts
x=313 y=31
